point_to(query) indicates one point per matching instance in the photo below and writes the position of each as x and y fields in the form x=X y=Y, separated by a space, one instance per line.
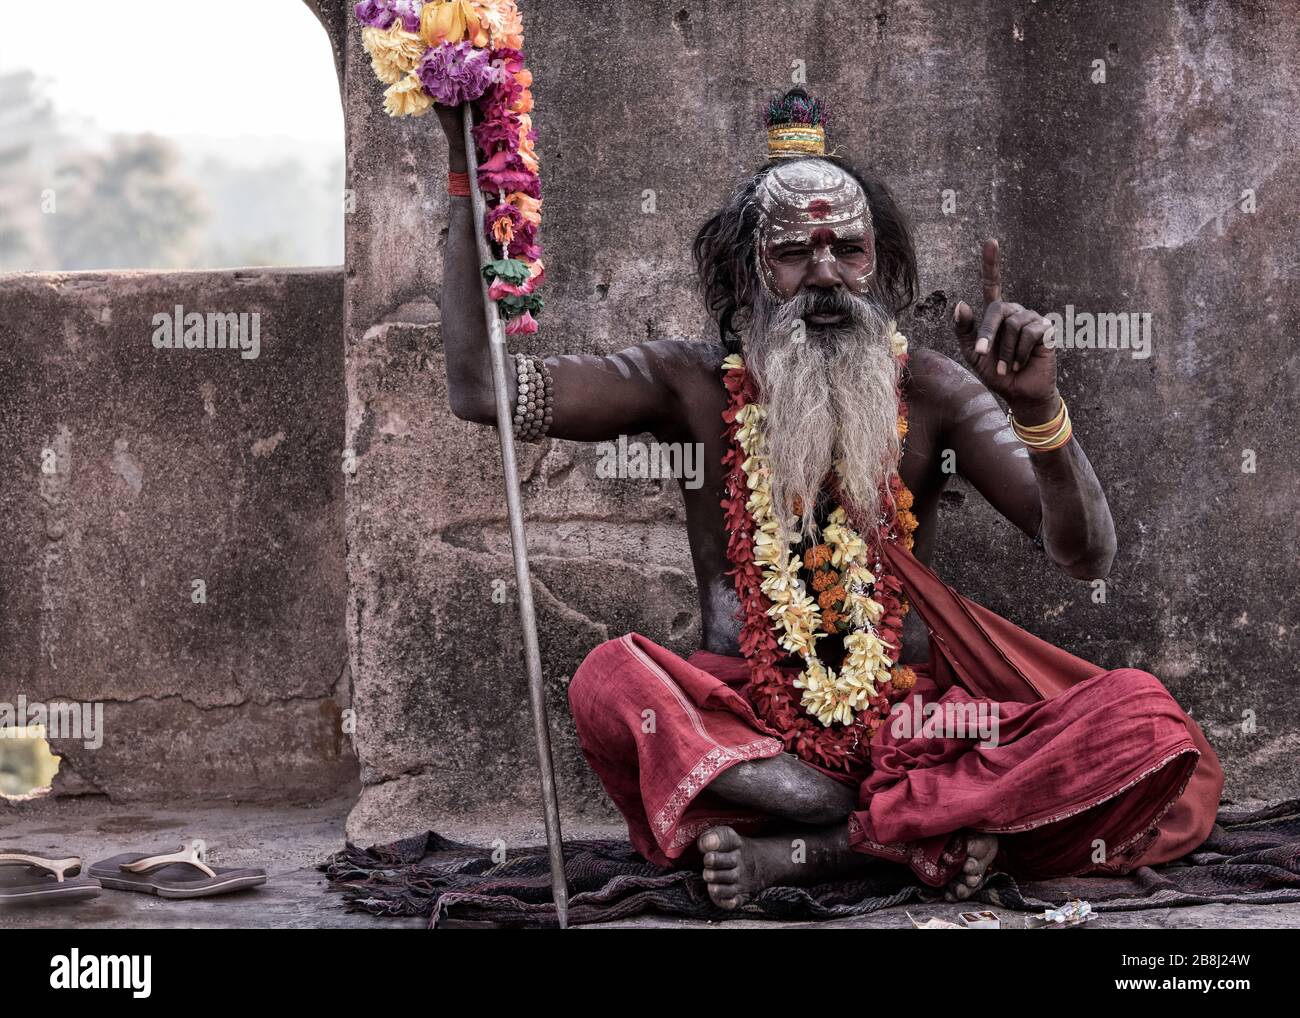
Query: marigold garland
x=471 y=51
x=822 y=715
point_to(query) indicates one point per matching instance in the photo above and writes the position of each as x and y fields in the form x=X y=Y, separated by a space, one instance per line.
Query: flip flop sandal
x=179 y=875
x=26 y=878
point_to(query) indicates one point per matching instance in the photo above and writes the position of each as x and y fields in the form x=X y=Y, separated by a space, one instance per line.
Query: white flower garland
x=827 y=696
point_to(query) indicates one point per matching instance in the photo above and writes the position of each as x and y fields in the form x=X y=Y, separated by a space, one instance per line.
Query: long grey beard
x=831 y=400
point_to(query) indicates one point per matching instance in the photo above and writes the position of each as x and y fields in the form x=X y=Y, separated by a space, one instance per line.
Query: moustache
x=837 y=303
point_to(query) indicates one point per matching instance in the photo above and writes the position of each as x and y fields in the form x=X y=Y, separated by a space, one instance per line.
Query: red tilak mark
x=823 y=236
x=820 y=208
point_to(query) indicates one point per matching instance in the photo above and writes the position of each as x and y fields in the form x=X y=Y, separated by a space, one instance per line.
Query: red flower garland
x=769 y=688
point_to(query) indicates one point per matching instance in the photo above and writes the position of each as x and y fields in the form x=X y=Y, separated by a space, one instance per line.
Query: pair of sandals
x=27 y=878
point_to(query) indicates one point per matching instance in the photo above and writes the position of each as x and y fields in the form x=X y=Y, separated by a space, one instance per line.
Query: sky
x=245 y=70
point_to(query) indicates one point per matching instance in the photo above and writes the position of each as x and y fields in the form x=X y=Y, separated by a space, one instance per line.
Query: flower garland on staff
x=471 y=51
x=823 y=716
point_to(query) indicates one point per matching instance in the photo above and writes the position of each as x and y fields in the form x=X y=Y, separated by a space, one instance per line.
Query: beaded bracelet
x=532 y=418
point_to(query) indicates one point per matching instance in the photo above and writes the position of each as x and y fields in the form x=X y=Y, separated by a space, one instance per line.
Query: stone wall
x=129 y=473
x=1111 y=197
x=1122 y=196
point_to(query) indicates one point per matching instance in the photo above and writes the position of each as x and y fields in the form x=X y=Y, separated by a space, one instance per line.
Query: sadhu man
x=845 y=705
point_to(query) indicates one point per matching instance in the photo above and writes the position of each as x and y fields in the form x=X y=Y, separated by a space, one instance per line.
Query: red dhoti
x=1090 y=771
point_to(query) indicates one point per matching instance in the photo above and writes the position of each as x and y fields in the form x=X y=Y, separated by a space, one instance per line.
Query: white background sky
x=223 y=69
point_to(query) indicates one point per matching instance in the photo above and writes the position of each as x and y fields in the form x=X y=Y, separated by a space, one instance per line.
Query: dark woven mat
x=1251 y=857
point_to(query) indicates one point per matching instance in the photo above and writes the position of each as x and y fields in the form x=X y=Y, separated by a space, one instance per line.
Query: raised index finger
x=991 y=270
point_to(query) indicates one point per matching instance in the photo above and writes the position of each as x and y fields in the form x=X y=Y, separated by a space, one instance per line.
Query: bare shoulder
x=939 y=380
x=677 y=363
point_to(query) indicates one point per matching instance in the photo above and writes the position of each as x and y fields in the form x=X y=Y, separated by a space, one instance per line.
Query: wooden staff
x=518 y=545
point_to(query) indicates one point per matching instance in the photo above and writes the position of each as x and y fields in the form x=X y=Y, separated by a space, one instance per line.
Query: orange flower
x=503 y=20
x=828 y=599
x=817 y=556
x=524 y=77
x=903 y=678
x=503 y=231
x=906 y=521
x=902 y=427
x=825 y=578
x=830 y=619
x=904 y=499
x=529 y=207
x=524 y=104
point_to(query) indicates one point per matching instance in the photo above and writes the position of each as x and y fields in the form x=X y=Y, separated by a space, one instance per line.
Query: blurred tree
x=28 y=135
x=130 y=207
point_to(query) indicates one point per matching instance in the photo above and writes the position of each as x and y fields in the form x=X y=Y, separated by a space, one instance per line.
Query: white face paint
x=815 y=204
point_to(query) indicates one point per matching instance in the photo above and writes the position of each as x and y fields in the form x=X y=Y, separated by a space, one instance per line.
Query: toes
x=982 y=846
x=714 y=877
x=963 y=892
x=721 y=860
x=719 y=839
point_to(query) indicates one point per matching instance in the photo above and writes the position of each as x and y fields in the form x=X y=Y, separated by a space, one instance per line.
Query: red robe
x=1092 y=770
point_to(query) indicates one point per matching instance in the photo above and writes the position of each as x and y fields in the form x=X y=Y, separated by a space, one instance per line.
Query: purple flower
x=455 y=74
x=409 y=12
x=375 y=14
x=500 y=132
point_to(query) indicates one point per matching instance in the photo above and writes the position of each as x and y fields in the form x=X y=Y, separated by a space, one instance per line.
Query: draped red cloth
x=1091 y=770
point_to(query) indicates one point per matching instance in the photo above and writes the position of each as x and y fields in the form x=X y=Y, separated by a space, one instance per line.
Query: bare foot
x=736 y=868
x=980 y=850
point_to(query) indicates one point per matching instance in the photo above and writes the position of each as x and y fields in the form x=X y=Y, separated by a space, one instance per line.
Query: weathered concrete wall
x=1117 y=197
x=170 y=466
x=1112 y=197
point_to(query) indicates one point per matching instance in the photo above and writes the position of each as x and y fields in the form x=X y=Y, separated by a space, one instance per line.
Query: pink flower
x=522 y=325
x=505 y=171
x=500 y=288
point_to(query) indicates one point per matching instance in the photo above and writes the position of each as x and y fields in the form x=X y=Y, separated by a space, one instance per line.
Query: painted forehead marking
x=807 y=190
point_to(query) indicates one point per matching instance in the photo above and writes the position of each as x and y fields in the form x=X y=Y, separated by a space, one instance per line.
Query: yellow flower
x=407 y=98
x=897 y=341
x=451 y=22
x=393 y=53
x=732 y=362
x=798 y=617
x=825 y=697
x=768 y=550
x=847 y=548
x=782 y=579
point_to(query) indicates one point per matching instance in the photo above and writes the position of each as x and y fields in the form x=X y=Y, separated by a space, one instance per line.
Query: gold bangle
x=1037 y=430
x=1065 y=438
x=1044 y=440
x=1050 y=442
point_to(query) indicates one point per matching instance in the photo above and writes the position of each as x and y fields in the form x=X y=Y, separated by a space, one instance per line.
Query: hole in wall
x=27 y=764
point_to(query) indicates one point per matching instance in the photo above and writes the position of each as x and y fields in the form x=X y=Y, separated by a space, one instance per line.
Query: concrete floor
x=289 y=842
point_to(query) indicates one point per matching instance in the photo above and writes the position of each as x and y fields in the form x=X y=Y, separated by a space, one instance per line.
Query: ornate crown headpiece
x=796 y=126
